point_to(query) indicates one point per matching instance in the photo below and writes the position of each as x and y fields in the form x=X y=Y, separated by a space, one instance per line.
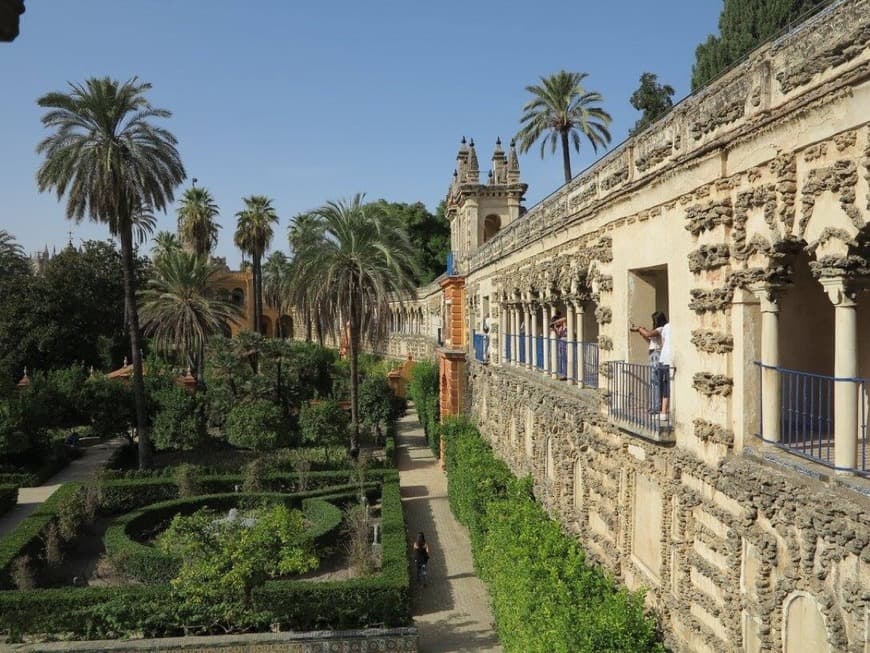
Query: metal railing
x=479 y=341
x=522 y=348
x=507 y=347
x=540 y=363
x=590 y=363
x=451 y=264
x=635 y=395
x=806 y=415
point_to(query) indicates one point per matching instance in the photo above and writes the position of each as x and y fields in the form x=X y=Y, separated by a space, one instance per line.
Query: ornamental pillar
x=571 y=339
x=771 y=389
x=845 y=370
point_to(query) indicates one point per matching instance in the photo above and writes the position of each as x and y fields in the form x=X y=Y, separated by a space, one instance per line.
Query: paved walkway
x=82 y=469
x=452 y=612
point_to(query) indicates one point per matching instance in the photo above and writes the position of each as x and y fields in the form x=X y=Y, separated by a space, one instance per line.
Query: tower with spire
x=478 y=211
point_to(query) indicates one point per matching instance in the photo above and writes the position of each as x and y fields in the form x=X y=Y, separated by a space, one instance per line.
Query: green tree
x=12 y=257
x=362 y=260
x=306 y=229
x=429 y=234
x=743 y=26
x=561 y=111
x=276 y=285
x=253 y=236
x=257 y=425
x=653 y=99
x=224 y=561
x=111 y=161
x=197 y=227
x=179 y=310
x=179 y=421
x=376 y=402
x=324 y=424
x=165 y=242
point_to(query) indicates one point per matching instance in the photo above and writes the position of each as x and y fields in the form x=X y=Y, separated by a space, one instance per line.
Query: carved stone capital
x=839 y=292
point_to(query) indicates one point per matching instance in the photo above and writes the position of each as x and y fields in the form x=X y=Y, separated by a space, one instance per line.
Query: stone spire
x=499 y=164
x=472 y=173
x=513 y=165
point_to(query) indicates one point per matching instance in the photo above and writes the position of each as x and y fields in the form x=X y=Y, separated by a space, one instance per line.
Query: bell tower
x=477 y=212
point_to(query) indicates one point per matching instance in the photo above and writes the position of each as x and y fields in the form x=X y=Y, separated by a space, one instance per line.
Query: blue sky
x=311 y=101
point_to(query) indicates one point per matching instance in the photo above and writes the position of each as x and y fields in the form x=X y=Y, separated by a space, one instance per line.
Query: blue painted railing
x=539 y=353
x=590 y=364
x=507 y=347
x=479 y=341
x=522 y=348
x=807 y=415
x=451 y=264
x=633 y=396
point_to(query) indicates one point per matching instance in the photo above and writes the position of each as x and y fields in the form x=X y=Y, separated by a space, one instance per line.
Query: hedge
x=8 y=498
x=60 y=457
x=148 y=564
x=25 y=538
x=390 y=451
x=150 y=611
x=124 y=494
x=545 y=596
x=424 y=391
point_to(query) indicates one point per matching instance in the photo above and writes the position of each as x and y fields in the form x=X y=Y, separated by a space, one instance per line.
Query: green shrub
x=390 y=451
x=109 y=405
x=323 y=423
x=8 y=498
x=528 y=562
x=187 y=479
x=26 y=539
x=423 y=389
x=179 y=422
x=376 y=403
x=257 y=425
x=151 y=611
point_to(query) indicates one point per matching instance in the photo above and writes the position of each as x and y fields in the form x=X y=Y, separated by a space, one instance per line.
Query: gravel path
x=452 y=613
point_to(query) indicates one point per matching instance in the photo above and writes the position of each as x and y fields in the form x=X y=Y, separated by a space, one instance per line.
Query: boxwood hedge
x=546 y=597
x=151 y=611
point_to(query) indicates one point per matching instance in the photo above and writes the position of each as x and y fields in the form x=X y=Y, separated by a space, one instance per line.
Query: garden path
x=80 y=470
x=452 y=613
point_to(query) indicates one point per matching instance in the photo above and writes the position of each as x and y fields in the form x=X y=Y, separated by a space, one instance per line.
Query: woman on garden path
x=452 y=613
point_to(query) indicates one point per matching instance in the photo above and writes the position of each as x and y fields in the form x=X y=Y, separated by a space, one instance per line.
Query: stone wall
x=739 y=556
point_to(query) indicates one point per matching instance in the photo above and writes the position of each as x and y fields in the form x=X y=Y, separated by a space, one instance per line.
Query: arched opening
x=266 y=326
x=237 y=296
x=491 y=226
x=287 y=326
x=806 y=323
x=804 y=626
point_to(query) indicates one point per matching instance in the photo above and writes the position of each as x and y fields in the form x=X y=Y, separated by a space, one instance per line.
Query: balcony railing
x=479 y=341
x=634 y=398
x=806 y=415
x=451 y=264
x=590 y=364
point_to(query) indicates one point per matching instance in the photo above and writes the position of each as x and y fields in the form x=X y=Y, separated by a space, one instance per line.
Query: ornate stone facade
x=744 y=214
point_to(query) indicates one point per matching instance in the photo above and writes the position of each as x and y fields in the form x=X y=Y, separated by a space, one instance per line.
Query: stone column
x=548 y=316
x=533 y=334
x=845 y=367
x=571 y=324
x=771 y=390
x=514 y=322
x=528 y=310
x=581 y=337
x=502 y=330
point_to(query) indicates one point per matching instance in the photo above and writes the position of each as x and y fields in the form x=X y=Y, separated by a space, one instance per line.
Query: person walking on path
x=453 y=615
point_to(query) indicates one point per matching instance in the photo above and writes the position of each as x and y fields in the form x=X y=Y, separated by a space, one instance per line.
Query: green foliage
x=179 y=422
x=376 y=402
x=224 y=561
x=257 y=425
x=423 y=390
x=152 y=611
x=323 y=423
x=8 y=498
x=25 y=538
x=109 y=406
x=560 y=112
x=528 y=563
x=654 y=99
x=429 y=235
x=390 y=451
x=743 y=26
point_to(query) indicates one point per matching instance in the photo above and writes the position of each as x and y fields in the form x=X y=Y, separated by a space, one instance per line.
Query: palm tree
x=350 y=272
x=562 y=111
x=276 y=285
x=112 y=162
x=253 y=236
x=305 y=230
x=196 y=221
x=11 y=254
x=165 y=242
x=179 y=310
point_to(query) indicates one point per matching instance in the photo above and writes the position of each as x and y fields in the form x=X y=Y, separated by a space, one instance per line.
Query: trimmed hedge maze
x=145 y=607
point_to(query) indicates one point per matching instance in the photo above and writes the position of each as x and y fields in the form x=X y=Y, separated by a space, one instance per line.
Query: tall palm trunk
x=307 y=324
x=135 y=344
x=566 y=155
x=354 y=391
